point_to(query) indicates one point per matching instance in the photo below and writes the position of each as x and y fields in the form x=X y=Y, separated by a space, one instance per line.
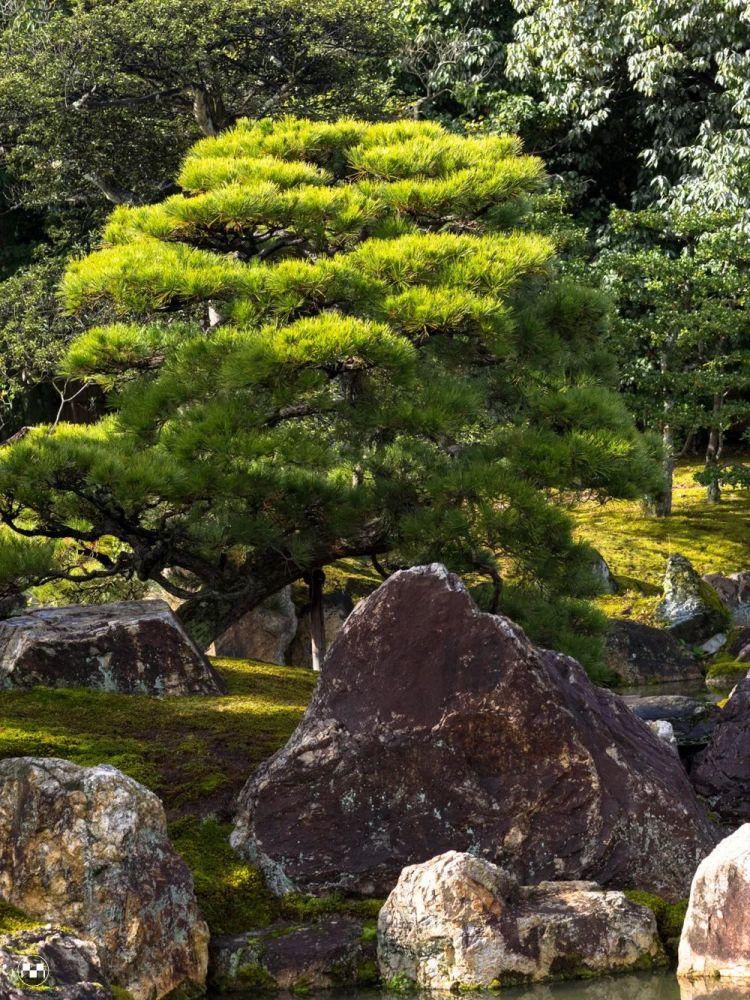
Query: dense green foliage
x=396 y=373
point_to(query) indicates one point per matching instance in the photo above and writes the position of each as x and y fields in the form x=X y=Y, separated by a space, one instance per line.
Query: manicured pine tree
x=337 y=341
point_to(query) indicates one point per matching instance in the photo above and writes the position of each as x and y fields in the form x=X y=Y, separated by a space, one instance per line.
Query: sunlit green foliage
x=357 y=350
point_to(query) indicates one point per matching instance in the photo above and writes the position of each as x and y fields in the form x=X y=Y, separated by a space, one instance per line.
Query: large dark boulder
x=721 y=772
x=435 y=727
x=134 y=647
x=642 y=654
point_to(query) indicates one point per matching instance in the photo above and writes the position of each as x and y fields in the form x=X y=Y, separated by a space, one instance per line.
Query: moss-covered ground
x=714 y=537
x=195 y=753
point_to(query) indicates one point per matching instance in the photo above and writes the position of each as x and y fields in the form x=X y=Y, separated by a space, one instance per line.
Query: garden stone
x=716 y=934
x=133 y=647
x=691 y=609
x=87 y=848
x=436 y=727
x=333 y=952
x=734 y=591
x=721 y=772
x=75 y=972
x=265 y=633
x=682 y=712
x=603 y=574
x=664 y=730
x=642 y=654
x=458 y=922
x=714 y=644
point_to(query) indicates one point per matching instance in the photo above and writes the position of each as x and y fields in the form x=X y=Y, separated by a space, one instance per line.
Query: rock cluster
x=75 y=972
x=87 y=848
x=458 y=923
x=734 y=591
x=436 y=727
x=134 y=647
x=715 y=942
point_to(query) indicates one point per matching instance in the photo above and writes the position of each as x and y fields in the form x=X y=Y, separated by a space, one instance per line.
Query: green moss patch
x=12 y=920
x=669 y=917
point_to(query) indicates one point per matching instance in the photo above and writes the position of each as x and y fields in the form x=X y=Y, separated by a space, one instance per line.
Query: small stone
x=716 y=934
x=458 y=923
x=714 y=644
x=664 y=730
x=691 y=609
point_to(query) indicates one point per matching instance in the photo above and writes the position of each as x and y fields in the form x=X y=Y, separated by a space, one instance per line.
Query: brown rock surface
x=721 y=772
x=87 y=848
x=715 y=942
x=134 y=647
x=458 y=923
x=435 y=727
x=266 y=633
x=642 y=654
x=75 y=972
x=332 y=952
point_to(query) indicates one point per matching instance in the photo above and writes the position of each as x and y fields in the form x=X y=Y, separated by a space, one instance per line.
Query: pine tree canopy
x=338 y=340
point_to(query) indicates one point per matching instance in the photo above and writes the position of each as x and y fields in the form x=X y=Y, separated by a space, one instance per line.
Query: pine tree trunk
x=315 y=583
x=713 y=451
x=661 y=504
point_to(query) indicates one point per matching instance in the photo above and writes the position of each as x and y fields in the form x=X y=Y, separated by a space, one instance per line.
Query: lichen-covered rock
x=134 y=647
x=265 y=633
x=87 y=848
x=692 y=610
x=664 y=730
x=642 y=654
x=333 y=952
x=715 y=942
x=437 y=727
x=458 y=922
x=75 y=972
x=721 y=772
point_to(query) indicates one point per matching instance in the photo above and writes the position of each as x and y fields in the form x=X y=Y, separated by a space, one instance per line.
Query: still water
x=643 y=986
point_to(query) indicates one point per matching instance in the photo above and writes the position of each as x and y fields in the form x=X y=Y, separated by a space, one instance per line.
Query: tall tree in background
x=681 y=283
x=655 y=94
x=336 y=342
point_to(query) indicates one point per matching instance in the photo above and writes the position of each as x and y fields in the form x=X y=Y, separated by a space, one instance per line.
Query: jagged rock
x=266 y=633
x=734 y=591
x=333 y=952
x=738 y=644
x=458 y=922
x=87 y=848
x=336 y=609
x=714 y=644
x=134 y=647
x=75 y=972
x=691 y=609
x=436 y=727
x=715 y=942
x=721 y=772
x=683 y=713
x=642 y=654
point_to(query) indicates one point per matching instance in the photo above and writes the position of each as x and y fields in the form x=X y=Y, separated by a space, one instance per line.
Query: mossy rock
x=724 y=672
x=669 y=917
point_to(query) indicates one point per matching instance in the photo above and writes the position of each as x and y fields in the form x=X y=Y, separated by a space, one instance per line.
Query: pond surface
x=641 y=986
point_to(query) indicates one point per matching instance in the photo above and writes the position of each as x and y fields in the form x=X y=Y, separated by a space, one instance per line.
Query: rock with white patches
x=133 y=647
x=436 y=727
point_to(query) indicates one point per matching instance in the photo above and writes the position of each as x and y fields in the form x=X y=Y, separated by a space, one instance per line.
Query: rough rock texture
x=738 y=644
x=334 y=952
x=75 y=972
x=266 y=633
x=721 y=772
x=336 y=609
x=688 y=716
x=436 y=727
x=135 y=647
x=603 y=574
x=459 y=922
x=734 y=591
x=641 y=654
x=691 y=609
x=664 y=730
x=715 y=940
x=88 y=848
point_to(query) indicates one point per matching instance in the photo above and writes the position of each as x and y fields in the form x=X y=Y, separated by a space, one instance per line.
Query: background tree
x=681 y=284
x=654 y=94
x=395 y=374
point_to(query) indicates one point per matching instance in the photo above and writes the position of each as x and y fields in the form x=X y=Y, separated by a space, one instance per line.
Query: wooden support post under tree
x=315 y=581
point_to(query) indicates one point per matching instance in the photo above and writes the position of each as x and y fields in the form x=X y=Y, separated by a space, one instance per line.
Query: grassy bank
x=714 y=537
